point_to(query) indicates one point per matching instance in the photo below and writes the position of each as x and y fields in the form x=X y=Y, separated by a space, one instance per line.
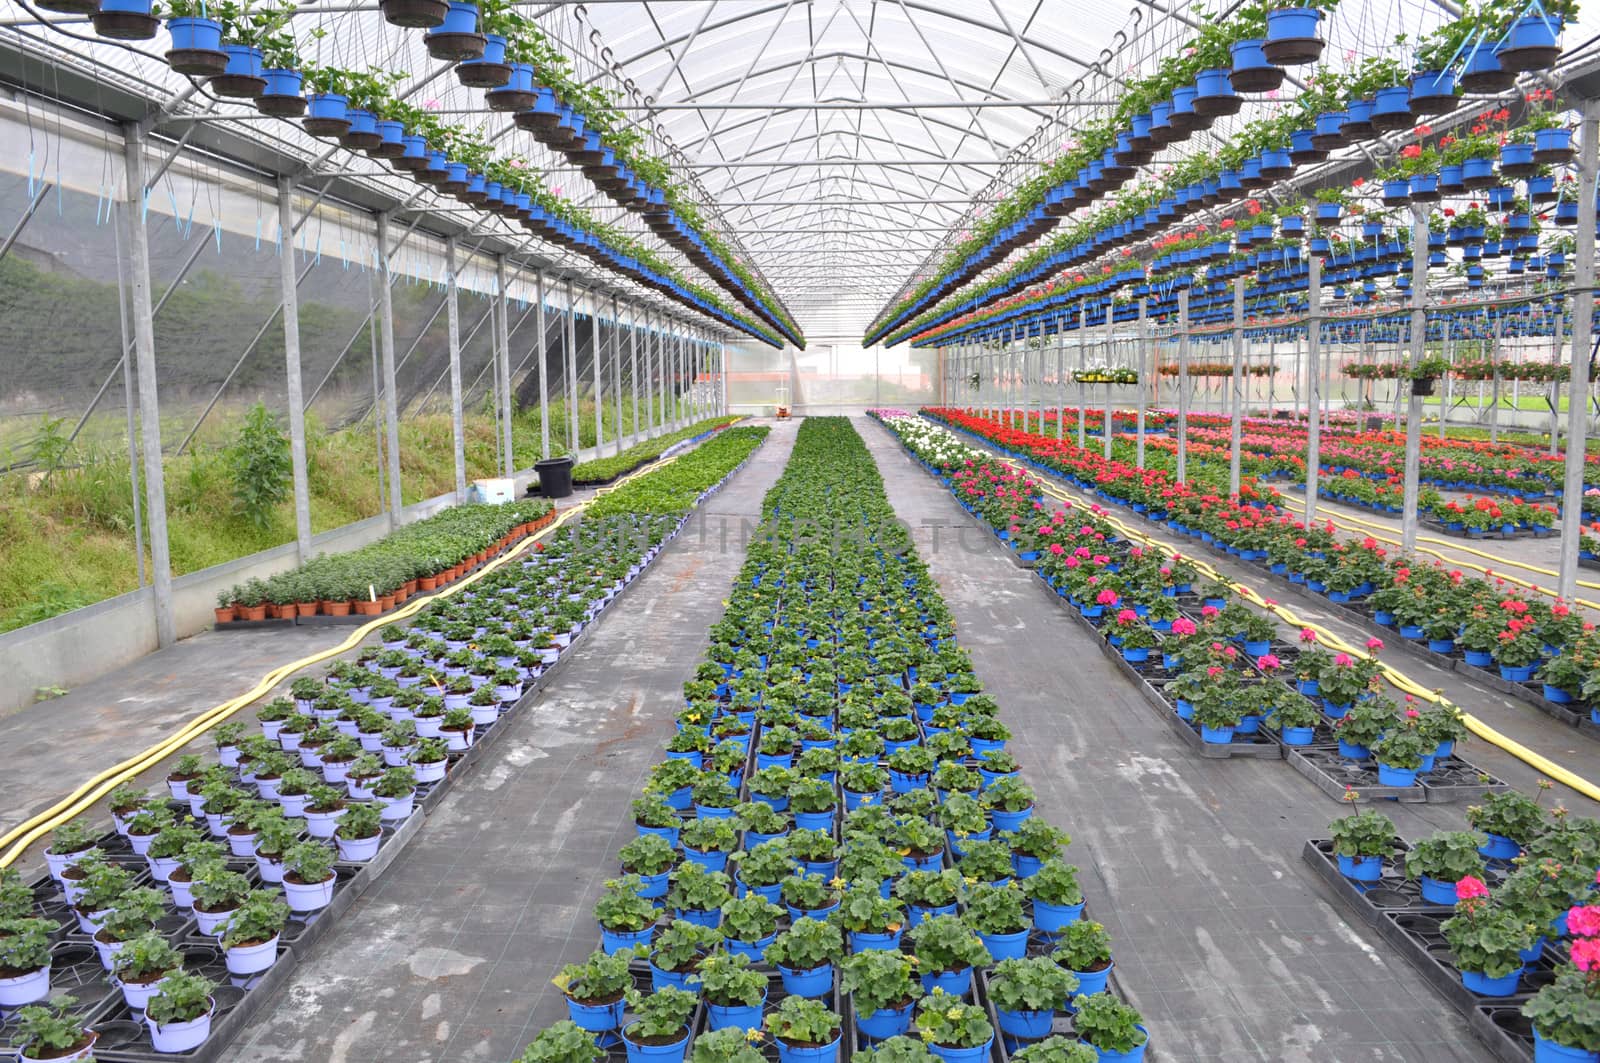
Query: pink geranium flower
x=1471 y=888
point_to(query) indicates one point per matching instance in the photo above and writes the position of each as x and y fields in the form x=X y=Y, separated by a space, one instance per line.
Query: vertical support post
x=1236 y=428
x=120 y=220
x=1061 y=377
x=1578 y=384
x=616 y=371
x=1105 y=358
x=1183 y=386
x=1419 y=341
x=722 y=347
x=1141 y=343
x=1083 y=363
x=633 y=371
x=599 y=381
x=144 y=349
x=652 y=340
x=502 y=343
x=391 y=412
x=574 y=439
x=293 y=395
x=544 y=368
x=458 y=438
x=1313 y=382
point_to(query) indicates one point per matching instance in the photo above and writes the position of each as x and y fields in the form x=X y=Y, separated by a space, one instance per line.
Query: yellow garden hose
x=20 y=837
x=1399 y=680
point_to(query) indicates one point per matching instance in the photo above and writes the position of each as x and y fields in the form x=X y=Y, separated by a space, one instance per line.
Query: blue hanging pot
x=327 y=114
x=1251 y=70
x=1552 y=146
x=121 y=20
x=1532 y=43
x=1391 y=107
x=490 y=70
x=1292 y=36
x=283 y=95
x=1433 y=91
x=196 y=47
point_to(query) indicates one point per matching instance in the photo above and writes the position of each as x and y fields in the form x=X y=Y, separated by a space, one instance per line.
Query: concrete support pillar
x=574 y=440
x=599 y=380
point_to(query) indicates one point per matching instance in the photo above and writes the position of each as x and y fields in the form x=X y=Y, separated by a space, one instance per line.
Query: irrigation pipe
x=1395 y=678
x=22 y=836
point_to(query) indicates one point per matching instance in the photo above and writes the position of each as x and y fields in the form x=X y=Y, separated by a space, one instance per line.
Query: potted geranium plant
x=805 y=955
x=1361 y=841
x=661 y=1022
x=955 y=1031
x=734 y=992
x=595 y=989
x=179 y=1014
x=1442 y=860
x=24 y=956
x=1110 y=1026
x=51 y=1031
x=1026 y=994
x=947 y=950
x=141 y=965
x=1565 y=1016
x=882 y=991
x=806 y=1031
x=567 y=1042
x=1056 y=896
x=1084 y=948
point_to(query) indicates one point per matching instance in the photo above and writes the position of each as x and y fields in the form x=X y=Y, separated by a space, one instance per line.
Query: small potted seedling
x=141 y=966
x=250 y=942
x=179 y=1015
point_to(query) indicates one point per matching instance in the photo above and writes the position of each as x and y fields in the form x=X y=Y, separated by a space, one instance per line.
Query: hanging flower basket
x=284 y=95
x=414 y=14
x=327 y=115
x=1214 y=94
x=457 y=37
x=489 y=72
x=1252 y=72
x=196 y=47
x=242 y=79
x=1292 y=36
x=363 y=133
x=1532 y=43
x=1552 y=147
x=125 y=20
x=1433 y=92
x=517 y=92
x=1482 y=73
x=1391 y=108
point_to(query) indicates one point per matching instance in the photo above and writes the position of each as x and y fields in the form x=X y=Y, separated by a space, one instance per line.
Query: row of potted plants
x=604 y=470
x=1514 y=895
x=1341 y=107
x=243 y=845
x=416 y=558
x=248 y=50
x=1485 y=623
x=837 y=814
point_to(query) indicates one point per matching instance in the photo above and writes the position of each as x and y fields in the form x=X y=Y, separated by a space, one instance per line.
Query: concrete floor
x=450 y=956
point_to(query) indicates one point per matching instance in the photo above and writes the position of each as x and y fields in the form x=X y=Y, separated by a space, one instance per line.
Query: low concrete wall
x=84 y=644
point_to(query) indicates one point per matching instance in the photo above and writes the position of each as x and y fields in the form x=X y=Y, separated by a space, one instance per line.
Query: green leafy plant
x=1056 y=882
x=567 y=1042
x=995 y=909
x=660 y=1017
x=258 y=461
x=600 y=979
x=1033 y=984
x=877 y=980
x=258 y=920
x=1107 y=1023
x=1487 y=939
x=1362 y=834
x=1083 y=946
x=1057 y=1049
x=945 y=943
x=50 y=1029
x=750 y=918
x=1565 y=1010
x=728 y=1045
x=1448 y=856
x=181 y=998
x=951 y=1022
x=802 y=1021
x=807 y=945
x=727 y=980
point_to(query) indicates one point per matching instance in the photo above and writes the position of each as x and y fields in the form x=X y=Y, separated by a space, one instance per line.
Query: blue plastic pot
x=1517 y=155
x=392 y=132
x=796 y=914
x=1217 y=736
x=417 y=148
x=1479 y=658
x=1432 y=90
x=711 y=861
x=956 y=983
x=1258 y=649
x=1398 y=189
x=1361 y=868
x=461 y=18
x=195 y=34
x=962 y=1055
x=1499 y=847
x=866 y=941
x=667 y=1053
x=756 y=950
x=816 y=982
x=654 y=886
x=1006 y=946
x=1388 y=776
x=286 y=83
x=1247 y=55
x=1529 y=43
x=1030 y=1025
x=328 y=105
x=676 y=979
x=736 y=1017
x=1483 y=985
x=1053 y=918
x=614 y=941
x=1132 y=1055
x=1213 y=85
x=1393 y=101
x=1442 y=645
x=1519 y=674
x=916 y=913
x=1424 y=185
x=1552 y=142
x=596 y=1018
x=1556 y=695
x=813 y=820
x=1298 y=736
x=886 y=1023
x=1292 y=24
x=243 y=60
x=788 y=1053
x=1352 y=751
x=1545 y=1051
x=1092 y=982
x=1438 y=891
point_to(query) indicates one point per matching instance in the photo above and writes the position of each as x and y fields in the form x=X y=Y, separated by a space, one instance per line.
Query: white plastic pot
x=178 y=788
x=86 y=1052
x=138 y=994
x=271 y=870
x=251 y=959
x=89 y=922
x=271 y=729
x=357 y=791
x=25 y=988
x=397 y=808
x=484 y=715
x=108 y=951
x=293 y=805
x=310 y=756
x=397 y=756
x=268 y=788
x=432 y=726
x=312 y=898
x=161 y=867
x=212 y=923
x=59 y=862
x=359 y=849
x=334 y=771
x=458 y=741
x=182 y=893
x=216 y=824
x=290 y=740
x=180 y=1036
x=323 y=824
x=140 y=843
x=430 y=771
x=243 y=845
x=228 y=756
x=371 y=743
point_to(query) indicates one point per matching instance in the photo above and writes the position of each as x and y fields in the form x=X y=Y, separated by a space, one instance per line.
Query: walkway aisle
x=450 y=957
x=1223 y=939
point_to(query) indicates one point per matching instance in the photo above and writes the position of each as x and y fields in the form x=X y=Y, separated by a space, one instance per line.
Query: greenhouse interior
x=1110 y=488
